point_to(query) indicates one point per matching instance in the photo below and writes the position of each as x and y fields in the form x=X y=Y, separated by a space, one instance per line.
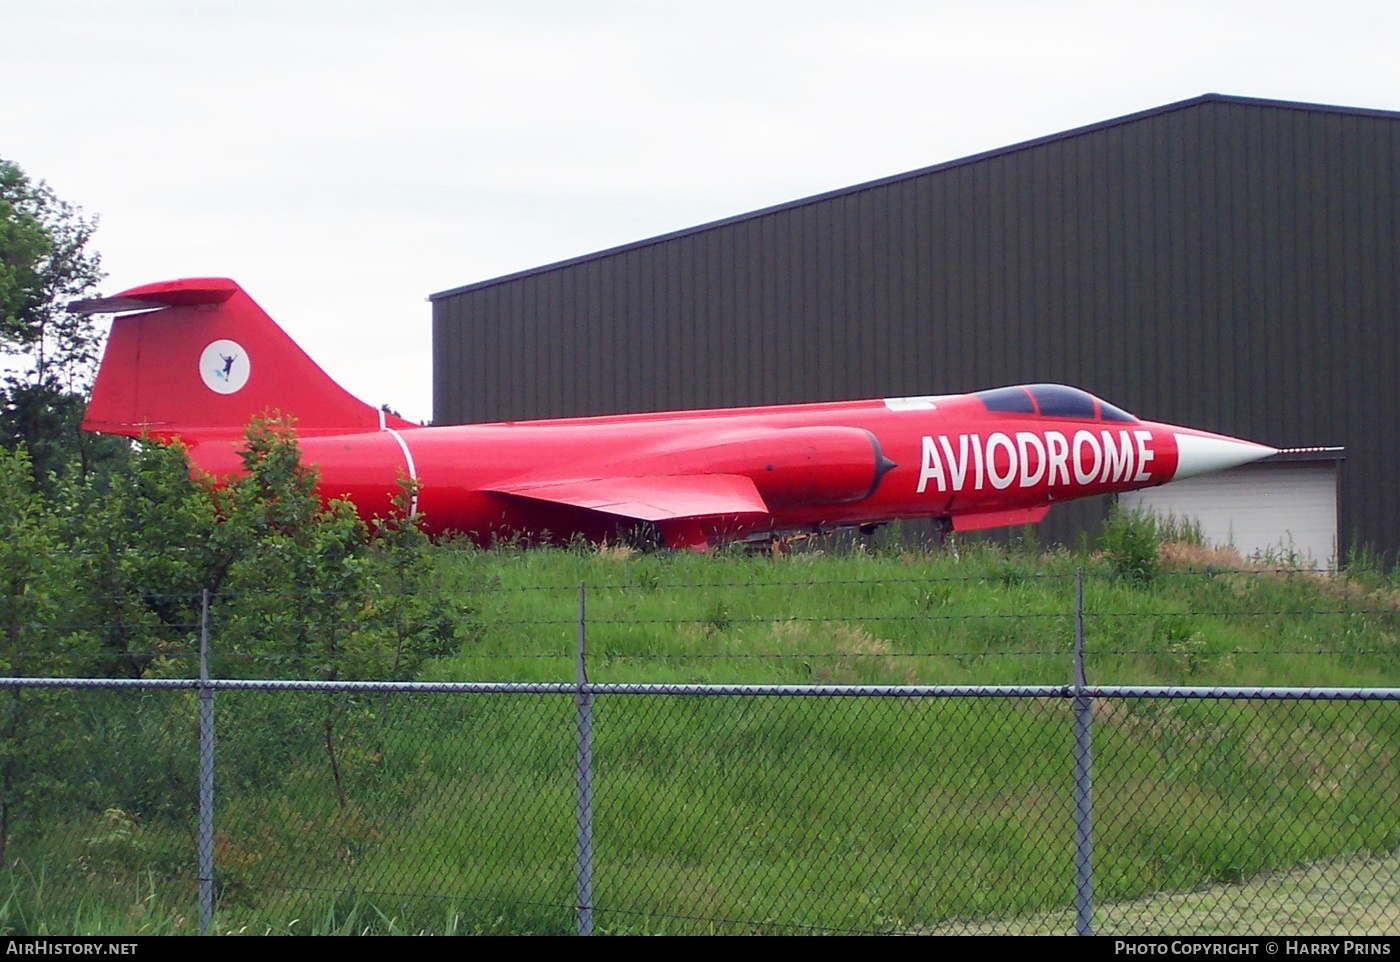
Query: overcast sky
x=342 y=160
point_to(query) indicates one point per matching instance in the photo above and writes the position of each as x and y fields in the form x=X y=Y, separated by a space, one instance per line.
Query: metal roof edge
x=1095 y=127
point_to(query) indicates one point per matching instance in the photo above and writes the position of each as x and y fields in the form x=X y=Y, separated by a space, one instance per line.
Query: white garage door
x=1282 y=509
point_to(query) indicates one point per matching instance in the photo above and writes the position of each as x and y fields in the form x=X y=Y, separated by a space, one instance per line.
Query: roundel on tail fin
x=224 y=366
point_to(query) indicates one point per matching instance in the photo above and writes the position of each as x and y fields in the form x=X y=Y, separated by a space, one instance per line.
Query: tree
x=290 y=540
x=105 y=576
x=142 y=546
x=51 y=352
x=33 y=573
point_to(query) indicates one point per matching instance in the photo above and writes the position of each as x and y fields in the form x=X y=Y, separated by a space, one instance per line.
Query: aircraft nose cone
x=1199 y=453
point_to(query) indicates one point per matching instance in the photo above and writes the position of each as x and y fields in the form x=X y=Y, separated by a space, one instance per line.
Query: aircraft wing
x=650 y=498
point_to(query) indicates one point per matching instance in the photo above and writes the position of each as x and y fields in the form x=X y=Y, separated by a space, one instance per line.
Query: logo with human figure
x=224 y=366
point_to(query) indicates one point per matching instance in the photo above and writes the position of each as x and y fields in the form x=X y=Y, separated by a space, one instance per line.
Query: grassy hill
x=984 y=614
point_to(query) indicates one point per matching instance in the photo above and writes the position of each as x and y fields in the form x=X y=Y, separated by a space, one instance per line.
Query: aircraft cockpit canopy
x=1052 y=401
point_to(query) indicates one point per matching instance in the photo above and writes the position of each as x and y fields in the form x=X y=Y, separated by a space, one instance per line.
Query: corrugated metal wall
x=1224 y=263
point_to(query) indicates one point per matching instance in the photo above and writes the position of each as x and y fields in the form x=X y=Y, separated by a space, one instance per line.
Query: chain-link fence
x=479 y=808
x=181 y=805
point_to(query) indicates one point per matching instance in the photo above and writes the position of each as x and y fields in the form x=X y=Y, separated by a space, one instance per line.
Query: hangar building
x=1227 y=263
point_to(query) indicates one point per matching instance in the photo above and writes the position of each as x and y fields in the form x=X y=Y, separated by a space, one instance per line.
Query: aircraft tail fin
x=201 y=360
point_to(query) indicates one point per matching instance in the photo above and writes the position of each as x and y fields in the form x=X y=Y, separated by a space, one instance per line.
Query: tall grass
x=983 y=615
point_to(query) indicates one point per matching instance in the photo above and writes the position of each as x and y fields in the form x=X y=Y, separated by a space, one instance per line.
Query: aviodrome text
x=970 y=463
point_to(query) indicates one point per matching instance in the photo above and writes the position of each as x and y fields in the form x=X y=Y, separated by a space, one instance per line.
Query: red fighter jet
x=201 y=359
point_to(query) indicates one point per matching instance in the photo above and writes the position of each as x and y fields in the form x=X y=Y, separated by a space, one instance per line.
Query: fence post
x=583 y=701
x=206 y=775
x=1083 y=777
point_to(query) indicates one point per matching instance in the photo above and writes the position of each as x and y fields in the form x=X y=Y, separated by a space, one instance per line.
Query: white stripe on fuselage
x=408 y=460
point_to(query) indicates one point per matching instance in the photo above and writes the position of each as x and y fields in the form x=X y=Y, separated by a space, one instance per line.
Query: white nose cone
x=1203 y=453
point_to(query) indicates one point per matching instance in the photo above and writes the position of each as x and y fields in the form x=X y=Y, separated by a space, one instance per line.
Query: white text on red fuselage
x=1026 y=458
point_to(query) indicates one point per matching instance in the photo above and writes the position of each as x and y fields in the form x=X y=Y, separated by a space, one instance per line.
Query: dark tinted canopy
x=1052 y=401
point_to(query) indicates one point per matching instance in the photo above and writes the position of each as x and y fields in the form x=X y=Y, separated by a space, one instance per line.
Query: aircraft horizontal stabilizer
x=658 y=498
x=190 y=292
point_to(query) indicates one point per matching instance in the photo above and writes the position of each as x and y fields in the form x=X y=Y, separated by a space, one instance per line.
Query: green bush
x=1130 y=545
